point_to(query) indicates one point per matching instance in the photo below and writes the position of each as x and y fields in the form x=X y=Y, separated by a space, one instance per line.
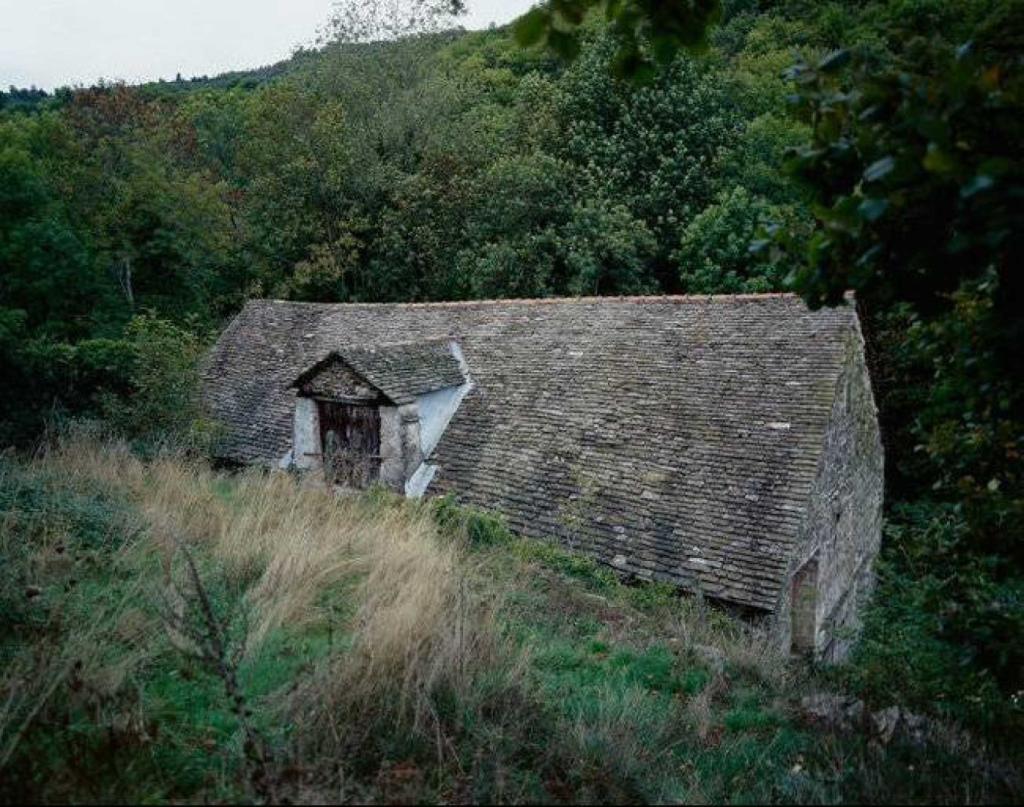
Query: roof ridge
x=539 y=301
x=377 y=346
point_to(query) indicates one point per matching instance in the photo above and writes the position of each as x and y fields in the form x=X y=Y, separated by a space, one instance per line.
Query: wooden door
x=350 y=440
x=804 y=605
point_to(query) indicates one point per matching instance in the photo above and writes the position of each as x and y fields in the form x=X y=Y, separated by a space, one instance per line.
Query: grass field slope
x=175 y=633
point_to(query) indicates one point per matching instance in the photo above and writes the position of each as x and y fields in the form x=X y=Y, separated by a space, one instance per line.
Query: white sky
x=51 y=43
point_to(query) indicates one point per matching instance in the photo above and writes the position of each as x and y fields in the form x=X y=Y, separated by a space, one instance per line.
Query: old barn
x=726 y=444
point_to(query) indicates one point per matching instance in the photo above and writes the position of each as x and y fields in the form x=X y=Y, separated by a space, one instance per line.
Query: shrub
x=161 y=405
x=941 y=634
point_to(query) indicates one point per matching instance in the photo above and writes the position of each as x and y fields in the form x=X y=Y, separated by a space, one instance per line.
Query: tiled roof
x=675 y=438
x=400 y=371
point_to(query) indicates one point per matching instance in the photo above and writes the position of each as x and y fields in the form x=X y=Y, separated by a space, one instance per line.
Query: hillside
x=177 y=634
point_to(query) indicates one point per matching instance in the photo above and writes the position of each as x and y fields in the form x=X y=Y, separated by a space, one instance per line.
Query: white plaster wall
x=437 y=408
x=436 y=411
x=306 y=453
x=418 y=482
x=412 y=453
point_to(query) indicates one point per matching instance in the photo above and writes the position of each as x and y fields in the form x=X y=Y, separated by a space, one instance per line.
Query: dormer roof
x=396 y=372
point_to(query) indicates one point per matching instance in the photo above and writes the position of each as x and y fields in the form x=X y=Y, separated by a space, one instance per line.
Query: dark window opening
x=350 y=441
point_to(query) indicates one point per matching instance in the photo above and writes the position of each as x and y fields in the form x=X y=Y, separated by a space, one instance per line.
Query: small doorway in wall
x=804 y=608
x=350 y=441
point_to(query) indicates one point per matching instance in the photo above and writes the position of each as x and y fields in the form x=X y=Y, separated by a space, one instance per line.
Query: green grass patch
x=578 y=567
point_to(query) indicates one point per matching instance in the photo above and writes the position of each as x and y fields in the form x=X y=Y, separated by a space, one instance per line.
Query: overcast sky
x=51 y=43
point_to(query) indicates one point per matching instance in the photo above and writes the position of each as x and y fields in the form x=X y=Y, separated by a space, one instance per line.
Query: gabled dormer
x=373 y=415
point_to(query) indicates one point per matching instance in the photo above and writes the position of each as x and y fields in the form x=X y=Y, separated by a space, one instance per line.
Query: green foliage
x=755 y=165
x=144 y=384
x=658 y=150
x=916 y=173
x=950 y=616
x=715 y=253
x=52 y=379
x=648 y=33
x=914 y=170
x=570 y=564
x=44 y=261
x=652 y=596
x=97 y=523
x=479 y=527
x=22 y=98
x=162 y=403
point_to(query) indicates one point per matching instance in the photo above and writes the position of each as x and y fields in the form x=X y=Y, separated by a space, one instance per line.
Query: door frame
x=803 y=607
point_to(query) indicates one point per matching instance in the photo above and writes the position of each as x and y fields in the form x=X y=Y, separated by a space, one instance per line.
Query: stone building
x=726 y=444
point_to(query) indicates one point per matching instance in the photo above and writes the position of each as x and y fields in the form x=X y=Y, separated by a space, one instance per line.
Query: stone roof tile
x=675 y=438
x=400 y=371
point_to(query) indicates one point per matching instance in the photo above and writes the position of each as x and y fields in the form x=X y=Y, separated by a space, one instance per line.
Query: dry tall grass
x=570 y=705
x=415 y=621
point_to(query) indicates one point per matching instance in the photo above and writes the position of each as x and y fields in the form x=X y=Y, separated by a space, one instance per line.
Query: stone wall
x=843 y=524
x=336 y=381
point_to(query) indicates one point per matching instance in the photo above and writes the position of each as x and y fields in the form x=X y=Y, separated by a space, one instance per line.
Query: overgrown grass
x=382 y=650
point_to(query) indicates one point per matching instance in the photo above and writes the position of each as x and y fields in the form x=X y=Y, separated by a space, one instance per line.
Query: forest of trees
x=811 y=147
